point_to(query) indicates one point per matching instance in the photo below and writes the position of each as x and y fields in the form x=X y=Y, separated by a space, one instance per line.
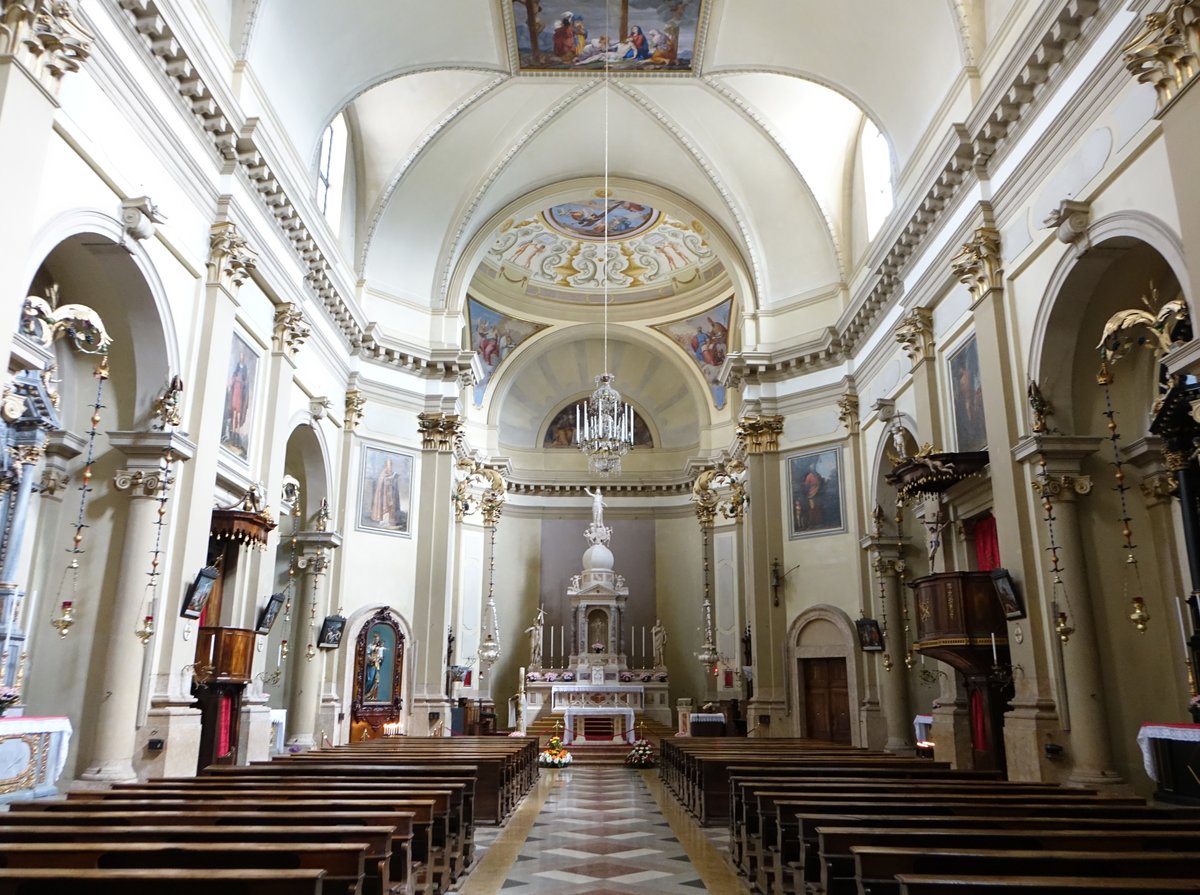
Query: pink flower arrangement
x=626 y=677
x=550 y=677
x=567 y=676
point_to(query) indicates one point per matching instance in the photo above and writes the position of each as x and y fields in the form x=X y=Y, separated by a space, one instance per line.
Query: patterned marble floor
x=599 y=831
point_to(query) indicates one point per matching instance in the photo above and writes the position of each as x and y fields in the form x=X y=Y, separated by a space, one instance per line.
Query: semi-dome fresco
x=557 y=253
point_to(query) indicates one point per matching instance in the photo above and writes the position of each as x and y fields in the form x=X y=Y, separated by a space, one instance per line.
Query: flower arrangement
x=567 y=676
x=534 y=676
x=550 y=677
x=640 y=756
x=554 y=755
x=626 y=677
x=597 y=647
x=660 y=676
x=646 y=676
x=9 y=696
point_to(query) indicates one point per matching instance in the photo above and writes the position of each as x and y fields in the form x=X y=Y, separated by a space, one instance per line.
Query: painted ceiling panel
x=312 y=56
x=898 y=60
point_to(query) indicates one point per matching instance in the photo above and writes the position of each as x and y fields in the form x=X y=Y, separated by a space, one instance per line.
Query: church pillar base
x=871 y=725
x=102 y=776
x=767 y=717
x=178 y=726
x=1109 y=782
x=1027 y=730
x=431 y=717
x=254 y=733
x=951 y=735
x=301 y=742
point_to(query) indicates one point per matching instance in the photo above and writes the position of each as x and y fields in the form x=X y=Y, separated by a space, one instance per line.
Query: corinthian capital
x=847 y=406
x=1166 y=54
x=439 y=431
x=760 y=434
x=915 y=334
x=44 y=37
x=230 y=258
x=291 y=332
x=978 y=263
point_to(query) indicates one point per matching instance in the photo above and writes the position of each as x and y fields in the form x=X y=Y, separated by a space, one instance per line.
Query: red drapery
x=224 y=718
x=987 y=544
x=979 y=739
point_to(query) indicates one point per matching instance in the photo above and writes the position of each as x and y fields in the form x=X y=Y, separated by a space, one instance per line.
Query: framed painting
x=238 y=416
x=198 y=592
x=378 y=660
x=870 y=636
x=1006 y=593
x=815 y=484
x=266 y=618
x=966 y=398
x=331 y=632
x=624 y=35
x=385 y=491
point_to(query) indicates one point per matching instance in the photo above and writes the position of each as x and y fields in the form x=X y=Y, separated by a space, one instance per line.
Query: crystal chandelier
x=604 y=423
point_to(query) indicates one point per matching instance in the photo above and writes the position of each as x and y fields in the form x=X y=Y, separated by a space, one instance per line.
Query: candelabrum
x=270 y=678
x=930 y=676
x=1063 y=628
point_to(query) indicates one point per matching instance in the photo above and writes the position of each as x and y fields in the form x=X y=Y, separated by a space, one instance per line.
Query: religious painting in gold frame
x=378 y=667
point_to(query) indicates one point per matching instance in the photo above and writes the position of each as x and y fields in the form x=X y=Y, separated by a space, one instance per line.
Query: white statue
x=659 y=634
x=597 y=506
x=535 y=639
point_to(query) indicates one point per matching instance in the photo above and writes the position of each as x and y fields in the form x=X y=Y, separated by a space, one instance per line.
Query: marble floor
x=600 y=831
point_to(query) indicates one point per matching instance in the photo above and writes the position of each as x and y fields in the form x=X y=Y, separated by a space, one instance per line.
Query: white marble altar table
x=625 y=715
x=618 y=696
x=1189 y=733
x=33 y=752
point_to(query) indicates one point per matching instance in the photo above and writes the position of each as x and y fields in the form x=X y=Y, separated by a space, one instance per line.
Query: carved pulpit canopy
x=930 y=472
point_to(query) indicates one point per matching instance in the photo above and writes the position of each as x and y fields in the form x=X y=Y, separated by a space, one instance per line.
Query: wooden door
x=826 y=700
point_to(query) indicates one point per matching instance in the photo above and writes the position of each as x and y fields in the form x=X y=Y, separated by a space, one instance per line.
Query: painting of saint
x=379 y=663
x=239 y=399
x=625 y=35
x=966 y=392
x=815 y=484
x=705 y=339
x=385 y=491
x=561 y=431
x=494 y=336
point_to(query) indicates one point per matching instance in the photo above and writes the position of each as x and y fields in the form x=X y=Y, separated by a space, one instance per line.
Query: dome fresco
x=559 y=252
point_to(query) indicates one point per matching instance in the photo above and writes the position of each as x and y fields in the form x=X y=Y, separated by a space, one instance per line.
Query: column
x=762 y=537
x=121 y=676
x=1064 y=486
x=1033 y=716
x=435 y=523
x=307 y=666
x=887 y=563
x=39 y=44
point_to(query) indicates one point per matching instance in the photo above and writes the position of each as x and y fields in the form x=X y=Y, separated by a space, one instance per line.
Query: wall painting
x=966 y=390
x=705 y=339
x=385 y=491
x=815 y=483
x=239 y=399
x=494 y=336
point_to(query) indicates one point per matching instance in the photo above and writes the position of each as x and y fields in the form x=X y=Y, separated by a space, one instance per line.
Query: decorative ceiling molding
x=743 y=106
x=398 y=173
x=450 y=252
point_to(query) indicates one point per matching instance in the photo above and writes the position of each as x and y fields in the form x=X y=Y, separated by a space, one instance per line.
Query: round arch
x=344 y=670
x=842 y=644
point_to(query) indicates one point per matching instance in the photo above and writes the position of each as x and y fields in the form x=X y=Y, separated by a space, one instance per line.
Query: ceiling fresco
x=704 y=337
x=559 y=252
x=625 y=35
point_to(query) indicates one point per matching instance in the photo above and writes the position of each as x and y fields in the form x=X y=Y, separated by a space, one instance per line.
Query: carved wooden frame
x=378 y=713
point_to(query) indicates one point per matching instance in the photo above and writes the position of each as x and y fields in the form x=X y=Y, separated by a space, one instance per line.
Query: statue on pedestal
x=597 y=532
x=535 y=638
x=659 y=635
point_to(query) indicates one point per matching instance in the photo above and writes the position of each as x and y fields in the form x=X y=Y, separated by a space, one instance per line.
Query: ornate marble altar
x=33 y=752
x=597 y=673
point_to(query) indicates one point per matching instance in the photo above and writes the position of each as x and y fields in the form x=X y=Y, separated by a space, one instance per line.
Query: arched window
x=877 y=176
x=331 y=171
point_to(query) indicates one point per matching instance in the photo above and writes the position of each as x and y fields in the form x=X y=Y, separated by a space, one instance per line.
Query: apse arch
x=727 y=249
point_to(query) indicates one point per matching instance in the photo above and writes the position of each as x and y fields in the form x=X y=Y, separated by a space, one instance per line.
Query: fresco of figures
x=704 y=337
x=563 y=247
x=624 y=35
x=494 y=336
x=561 y=431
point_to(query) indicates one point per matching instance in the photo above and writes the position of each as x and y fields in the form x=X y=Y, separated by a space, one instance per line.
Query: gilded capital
x=915 y=334
x=707 y=492
x=355 y=402
x=978 y=263
x=760 y=434
x=53 y=481
x=439 y=431
x=1058 y=487
x=847 y=406
x=44 y=37
x=471 y=474
x=230 y=258
x=1159 y=487
x=1166 y=53
x=291 y=330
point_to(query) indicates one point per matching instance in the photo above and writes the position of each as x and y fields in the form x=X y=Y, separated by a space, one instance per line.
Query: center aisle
x=596 y=831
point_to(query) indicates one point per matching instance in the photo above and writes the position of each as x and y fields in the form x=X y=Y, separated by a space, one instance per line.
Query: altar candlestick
x=643 y=643
x=551 y=646
x=995 y=658
x=562 y=643
x=11 y=607
x=1182 y=627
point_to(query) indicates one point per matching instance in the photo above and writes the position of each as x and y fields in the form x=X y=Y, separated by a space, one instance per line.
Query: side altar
x=596 y=687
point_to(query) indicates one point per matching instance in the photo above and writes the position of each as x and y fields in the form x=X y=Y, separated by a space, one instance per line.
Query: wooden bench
x=876 y=867
x=914 y=884
x=81 y=881
x=343 y=863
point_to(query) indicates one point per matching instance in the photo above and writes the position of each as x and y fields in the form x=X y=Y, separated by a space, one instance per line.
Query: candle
x=562 y=643
x=1183 y=633
x=995 y=658
x=552 y=646
x=643 y=643
x=8 y=623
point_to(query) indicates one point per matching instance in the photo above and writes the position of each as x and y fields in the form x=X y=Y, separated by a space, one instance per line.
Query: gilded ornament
x=355 y=402
x=439 y=431
x=978 y=263
x=915 y=334
x=230 y=258
x=291 y=331
x=760 y=434
x=848 y=412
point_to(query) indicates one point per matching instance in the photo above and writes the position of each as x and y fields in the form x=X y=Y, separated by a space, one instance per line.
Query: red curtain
x=987 y=545
x=224 y=719
x=979 y=738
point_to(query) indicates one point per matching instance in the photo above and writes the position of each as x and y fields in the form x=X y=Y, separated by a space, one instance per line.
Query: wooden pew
x=837 y=861
x=343 y=863
x=430 y=871
x=377 y=878
x=915 y=884
x=876 y=867
x=108 y=881
x=196 y=824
